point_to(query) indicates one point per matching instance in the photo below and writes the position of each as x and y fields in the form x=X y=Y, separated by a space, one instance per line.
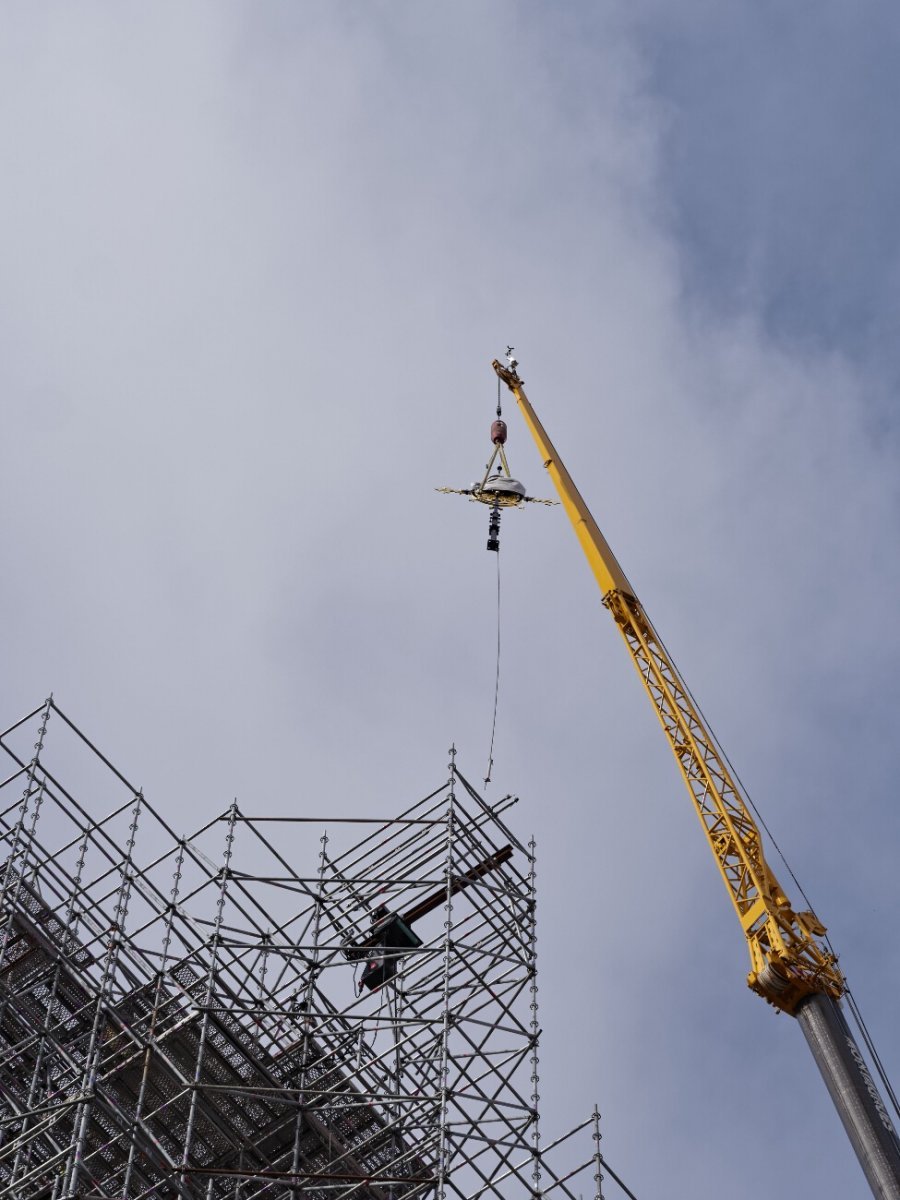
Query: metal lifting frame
x=180 y=1017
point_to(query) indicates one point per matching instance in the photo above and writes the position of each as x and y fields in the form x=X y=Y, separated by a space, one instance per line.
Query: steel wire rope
x=852 y=1003
x=870 y=1046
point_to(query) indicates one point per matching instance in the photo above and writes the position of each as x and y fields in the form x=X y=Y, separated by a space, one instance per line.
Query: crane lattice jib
x=788 y=961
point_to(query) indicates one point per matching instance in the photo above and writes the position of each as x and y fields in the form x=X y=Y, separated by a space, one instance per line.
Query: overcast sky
x=255 y=261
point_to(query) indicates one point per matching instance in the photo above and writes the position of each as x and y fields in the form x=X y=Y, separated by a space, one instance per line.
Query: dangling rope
x=487 y=778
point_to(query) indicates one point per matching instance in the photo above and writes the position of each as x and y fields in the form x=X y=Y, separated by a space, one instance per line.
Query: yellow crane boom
x=787 y=962
x=790 y=966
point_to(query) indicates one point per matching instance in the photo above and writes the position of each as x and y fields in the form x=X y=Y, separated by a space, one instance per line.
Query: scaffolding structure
x=338 y=1009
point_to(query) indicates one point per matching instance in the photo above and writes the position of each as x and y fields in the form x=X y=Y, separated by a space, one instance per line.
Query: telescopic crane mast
x=790 y=966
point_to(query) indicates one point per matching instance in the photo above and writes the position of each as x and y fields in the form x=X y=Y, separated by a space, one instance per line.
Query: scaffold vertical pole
x=12 y=868
x=208 y=992
x=158 y=996
x=598 y=1157
x=444 y=1079
x=102 y=1004
x=536 y=1182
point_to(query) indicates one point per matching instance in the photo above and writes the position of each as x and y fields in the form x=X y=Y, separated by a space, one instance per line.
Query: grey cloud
x=255 y=263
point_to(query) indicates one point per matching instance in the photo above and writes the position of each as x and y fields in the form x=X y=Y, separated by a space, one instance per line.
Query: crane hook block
x=498 y=433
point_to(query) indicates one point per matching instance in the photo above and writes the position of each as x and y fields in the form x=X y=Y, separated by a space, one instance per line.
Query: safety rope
x=487 y=778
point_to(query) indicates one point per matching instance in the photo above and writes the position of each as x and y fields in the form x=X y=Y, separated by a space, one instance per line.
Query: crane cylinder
x=855 y=1096
x=498 y=433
